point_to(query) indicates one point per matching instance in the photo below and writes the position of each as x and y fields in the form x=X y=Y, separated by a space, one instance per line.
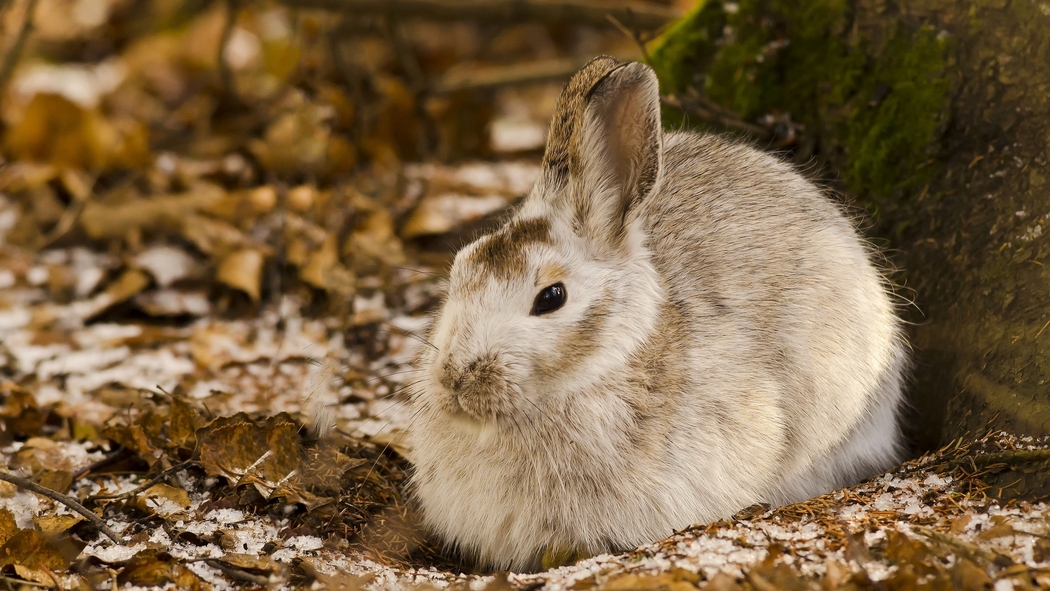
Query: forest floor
x=212 y=281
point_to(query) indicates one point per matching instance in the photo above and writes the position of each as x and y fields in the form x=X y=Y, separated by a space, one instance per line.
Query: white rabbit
x=671 y=328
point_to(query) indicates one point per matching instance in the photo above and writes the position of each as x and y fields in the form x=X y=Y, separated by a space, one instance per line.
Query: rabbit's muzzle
x=478 y=387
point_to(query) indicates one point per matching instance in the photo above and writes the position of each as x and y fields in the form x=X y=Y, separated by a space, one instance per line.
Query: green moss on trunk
x=935 y=114
x=879 y=112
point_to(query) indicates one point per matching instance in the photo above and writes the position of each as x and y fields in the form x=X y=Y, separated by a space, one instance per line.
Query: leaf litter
x=213 y=282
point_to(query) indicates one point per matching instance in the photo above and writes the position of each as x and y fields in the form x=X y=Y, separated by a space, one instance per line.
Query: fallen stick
x=65 y=500
x=594 y=13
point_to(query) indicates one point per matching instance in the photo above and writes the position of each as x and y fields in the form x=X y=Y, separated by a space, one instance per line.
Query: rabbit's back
x=792 y=337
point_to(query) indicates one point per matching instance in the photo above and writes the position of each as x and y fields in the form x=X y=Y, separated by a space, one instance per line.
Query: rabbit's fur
x=726 y=340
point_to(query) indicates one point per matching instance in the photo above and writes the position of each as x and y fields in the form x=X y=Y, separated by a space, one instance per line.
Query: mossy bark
x=934 y=115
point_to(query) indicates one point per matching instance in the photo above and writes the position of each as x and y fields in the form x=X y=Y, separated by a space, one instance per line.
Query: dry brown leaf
x=374 y=243
x=8 y=527
x=337 y=582
x=127 y=286
x=250 y=562
x=56 y=480
x=16 y=177
x=167 y=264
x=212 y=236
x=302 y=198
x=723 y=582
x=440 y=214
x=172 y=302
x=32 y=550
x=967 y=576
x=57 y=131
x=162 y=499
x=242 y=207
x=243 y=451
x=20 y=413
x=242 y=269
x=132 y=437
x=324 y=271
x=296 y=142
x=668 y=581
x=167 y=212
x=149 y=568
x=54 y=525
x=184 y=422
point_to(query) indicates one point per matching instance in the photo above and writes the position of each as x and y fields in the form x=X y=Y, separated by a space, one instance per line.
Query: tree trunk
x=935 y=116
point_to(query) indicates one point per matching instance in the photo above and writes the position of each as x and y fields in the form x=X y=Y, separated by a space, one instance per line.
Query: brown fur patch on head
x=562 y=155
x=502 y=254
x=549 y=274
x=579 y=342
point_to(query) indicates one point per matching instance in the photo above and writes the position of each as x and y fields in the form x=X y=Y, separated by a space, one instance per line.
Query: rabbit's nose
x=469 y=378
x=453 y=377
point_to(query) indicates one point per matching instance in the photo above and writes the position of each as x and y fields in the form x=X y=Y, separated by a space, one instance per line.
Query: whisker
x=410 y=334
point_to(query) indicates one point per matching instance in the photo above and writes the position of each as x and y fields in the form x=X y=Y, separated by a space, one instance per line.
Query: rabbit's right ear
x=619 y=148
x=609 y=148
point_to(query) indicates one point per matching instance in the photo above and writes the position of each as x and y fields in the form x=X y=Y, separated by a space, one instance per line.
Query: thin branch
x=486 y=77
x=717 y=117
x=634 y=35
x=65 y=500
x=643 y=15
x=238 y=574
x=149 y=484
x=11 y=59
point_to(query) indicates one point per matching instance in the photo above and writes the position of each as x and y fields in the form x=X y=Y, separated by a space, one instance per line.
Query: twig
x=634 y=35
x=11 y=59
x=593 y=13
x=717 y=117
x=970 y=551
x=481 y=78
x=238 y=574
x=151 y=483
x=65 y=500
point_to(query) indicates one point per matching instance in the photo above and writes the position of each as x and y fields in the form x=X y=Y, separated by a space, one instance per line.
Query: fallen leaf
x=243 y=451
x=242 y=270
x=149 y=568
x=8 y=527
x=54 y=525
x=443 y=213
x=167 y=264
x=163 y=500
x=323 y=270
x=166 y=212
x=172 y=302
x=129 y=284
x=31 y=549
x=56 y=480
x=214 y=237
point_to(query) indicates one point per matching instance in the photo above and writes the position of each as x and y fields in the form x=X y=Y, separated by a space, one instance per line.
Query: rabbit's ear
x=619 y=151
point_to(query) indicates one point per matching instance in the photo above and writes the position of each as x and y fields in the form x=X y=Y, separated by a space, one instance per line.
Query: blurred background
x=122 y=120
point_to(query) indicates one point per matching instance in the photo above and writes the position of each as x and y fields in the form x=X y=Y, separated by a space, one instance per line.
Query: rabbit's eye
x=550 y=299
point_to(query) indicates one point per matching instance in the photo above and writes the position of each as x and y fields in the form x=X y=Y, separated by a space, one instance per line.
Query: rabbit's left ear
x=619 y=150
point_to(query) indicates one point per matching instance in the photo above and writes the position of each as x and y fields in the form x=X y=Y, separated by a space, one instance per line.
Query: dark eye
x=550 y=299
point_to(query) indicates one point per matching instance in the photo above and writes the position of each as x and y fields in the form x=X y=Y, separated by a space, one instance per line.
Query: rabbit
x=671 y=327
